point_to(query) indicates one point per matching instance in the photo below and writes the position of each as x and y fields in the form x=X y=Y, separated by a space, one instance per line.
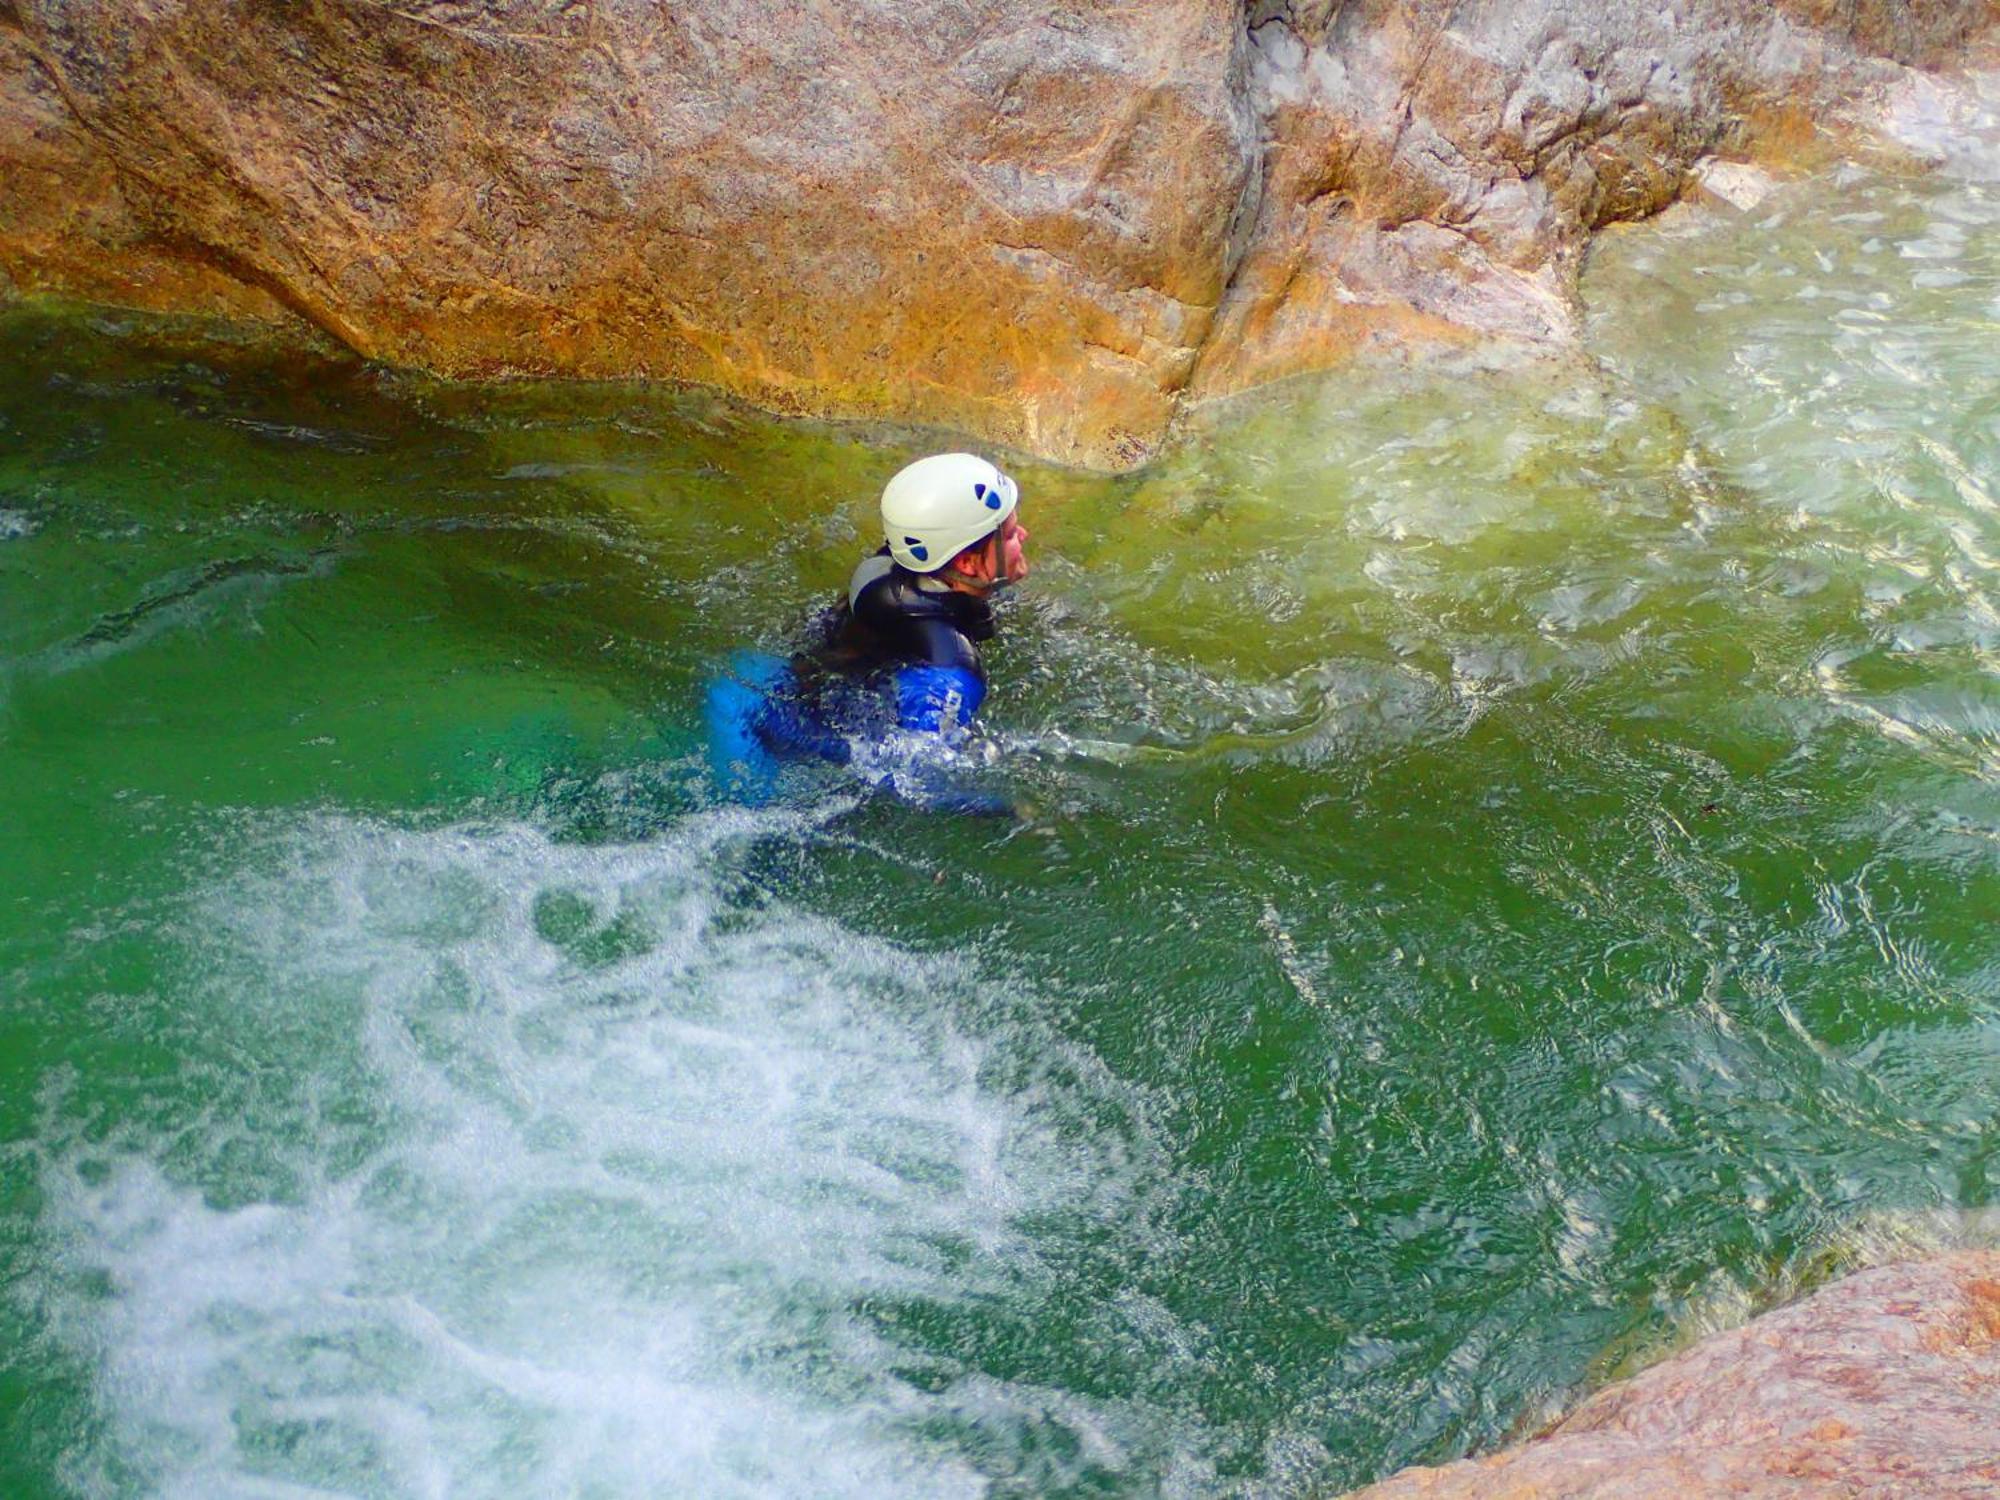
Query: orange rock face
x=1885 y=1384
x=1013 y=218
x=1045 y=222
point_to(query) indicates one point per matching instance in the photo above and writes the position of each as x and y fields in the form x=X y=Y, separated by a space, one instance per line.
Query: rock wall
x=1885 y=1384
x=1047 y=222
x=1436 y=168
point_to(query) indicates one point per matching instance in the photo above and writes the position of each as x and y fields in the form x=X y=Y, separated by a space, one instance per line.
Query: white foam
x=633 y=1159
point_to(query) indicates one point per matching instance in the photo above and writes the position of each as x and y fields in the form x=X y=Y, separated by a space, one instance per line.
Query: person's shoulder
x=880 y=589
x=870 y=576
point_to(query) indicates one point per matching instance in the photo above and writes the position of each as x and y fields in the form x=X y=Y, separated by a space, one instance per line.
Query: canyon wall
x=1049 y=223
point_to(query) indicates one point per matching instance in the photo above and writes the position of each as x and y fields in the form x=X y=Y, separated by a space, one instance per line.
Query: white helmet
x=938 y=506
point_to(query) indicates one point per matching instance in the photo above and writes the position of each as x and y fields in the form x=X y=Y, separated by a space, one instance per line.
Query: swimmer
x=900 y=651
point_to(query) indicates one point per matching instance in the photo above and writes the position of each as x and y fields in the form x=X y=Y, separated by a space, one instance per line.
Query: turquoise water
x=1506 y=876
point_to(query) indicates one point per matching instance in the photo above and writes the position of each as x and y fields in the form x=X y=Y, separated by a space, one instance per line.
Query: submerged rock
x=1884 y=1384
x=1046 y=223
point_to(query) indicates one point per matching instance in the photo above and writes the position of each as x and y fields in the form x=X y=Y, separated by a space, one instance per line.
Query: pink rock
x=1886 y=1384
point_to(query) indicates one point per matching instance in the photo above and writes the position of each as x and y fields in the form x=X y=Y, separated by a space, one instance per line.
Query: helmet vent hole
x=917 y=549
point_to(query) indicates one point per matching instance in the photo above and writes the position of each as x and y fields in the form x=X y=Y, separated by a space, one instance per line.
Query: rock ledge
x=1886 y=1384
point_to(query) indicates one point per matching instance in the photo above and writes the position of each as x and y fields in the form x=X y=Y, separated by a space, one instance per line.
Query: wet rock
x=1045 y=223
x=1435 y=170
x=1736 y=183
x=1884 y=1384
x=1012 y=217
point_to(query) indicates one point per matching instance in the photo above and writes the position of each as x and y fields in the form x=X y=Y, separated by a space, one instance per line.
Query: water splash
x=603 y=1179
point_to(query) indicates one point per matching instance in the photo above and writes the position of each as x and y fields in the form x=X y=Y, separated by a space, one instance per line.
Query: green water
x=1508 y=875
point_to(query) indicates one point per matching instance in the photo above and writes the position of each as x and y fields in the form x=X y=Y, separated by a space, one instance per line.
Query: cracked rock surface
x=1885 y=1384
x=1044 y=222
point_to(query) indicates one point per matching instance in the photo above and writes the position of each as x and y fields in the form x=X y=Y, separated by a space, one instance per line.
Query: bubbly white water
x=602 y=1164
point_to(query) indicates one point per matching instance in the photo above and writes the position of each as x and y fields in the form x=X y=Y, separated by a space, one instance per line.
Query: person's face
x=1001 y=559
x=1012 y=539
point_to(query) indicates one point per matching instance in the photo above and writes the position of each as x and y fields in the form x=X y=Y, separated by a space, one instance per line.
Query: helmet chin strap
x=984 y=574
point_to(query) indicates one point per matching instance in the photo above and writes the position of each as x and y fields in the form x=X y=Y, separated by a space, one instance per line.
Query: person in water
x=901 y=650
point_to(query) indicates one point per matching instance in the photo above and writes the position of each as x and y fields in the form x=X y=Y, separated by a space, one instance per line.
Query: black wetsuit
x=892 y=658
x=912 y=650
